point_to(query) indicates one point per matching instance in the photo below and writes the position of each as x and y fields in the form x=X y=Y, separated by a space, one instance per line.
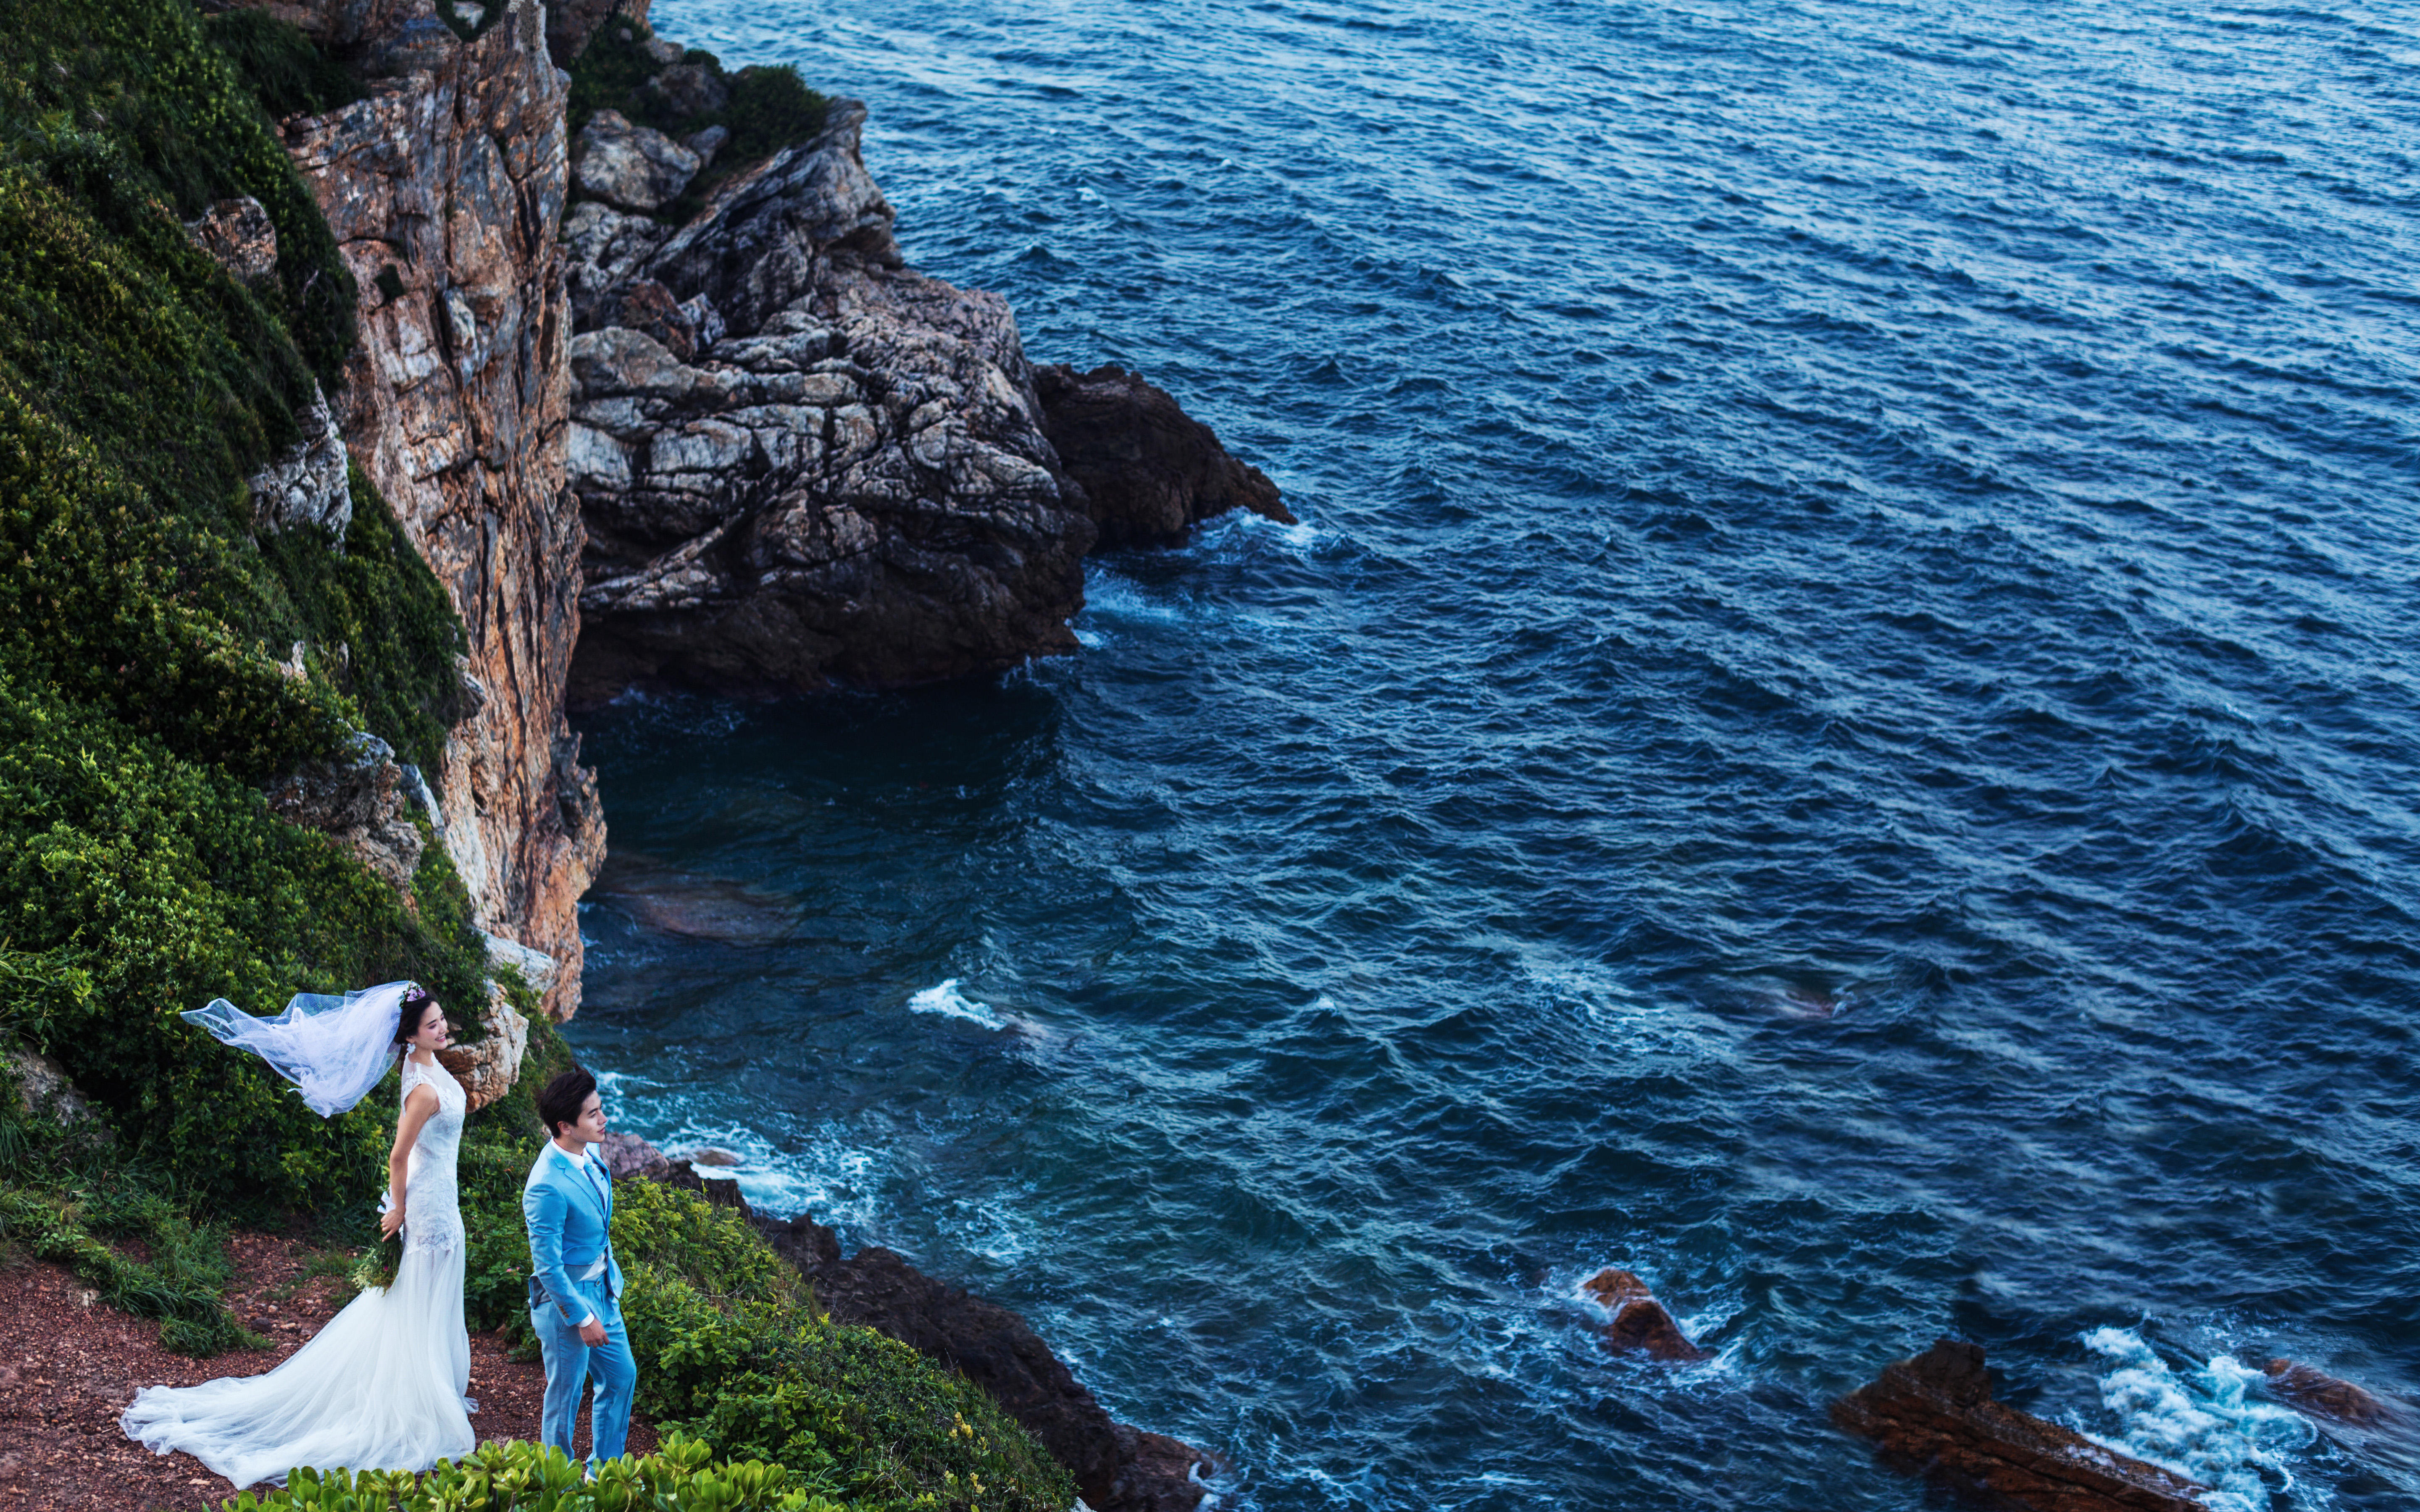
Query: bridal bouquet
x=377 y=1265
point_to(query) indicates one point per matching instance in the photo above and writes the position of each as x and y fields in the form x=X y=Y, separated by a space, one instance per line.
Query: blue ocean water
x=1839 y=732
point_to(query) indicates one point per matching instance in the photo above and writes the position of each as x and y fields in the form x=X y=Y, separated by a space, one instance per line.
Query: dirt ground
x=68 y=1366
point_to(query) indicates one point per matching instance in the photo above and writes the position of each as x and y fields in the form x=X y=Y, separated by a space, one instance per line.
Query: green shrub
x=136 y=884
x=284 y=68
x=516 y=1476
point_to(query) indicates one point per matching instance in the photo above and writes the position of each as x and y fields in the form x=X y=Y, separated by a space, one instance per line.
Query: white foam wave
x=948 y=1001
x=2197 y=1422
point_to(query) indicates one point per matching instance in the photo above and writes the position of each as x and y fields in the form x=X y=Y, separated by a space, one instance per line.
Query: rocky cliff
x=444 y=189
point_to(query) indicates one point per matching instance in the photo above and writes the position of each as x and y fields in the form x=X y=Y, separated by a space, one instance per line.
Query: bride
x=381 y=1386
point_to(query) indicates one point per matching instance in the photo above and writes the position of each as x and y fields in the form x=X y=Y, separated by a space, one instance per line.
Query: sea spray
x=2199 y=1423
x=951 y=1003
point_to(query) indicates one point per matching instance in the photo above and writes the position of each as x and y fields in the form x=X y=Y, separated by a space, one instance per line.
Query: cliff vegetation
x=166 y=653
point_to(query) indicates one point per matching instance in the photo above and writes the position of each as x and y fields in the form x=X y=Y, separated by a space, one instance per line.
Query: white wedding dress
x=381 y=1386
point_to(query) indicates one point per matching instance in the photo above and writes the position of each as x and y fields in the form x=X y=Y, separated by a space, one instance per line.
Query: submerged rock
x=1636 y=1321
x=2324 y=1396
x=1934 y=1413
x=1149 y=471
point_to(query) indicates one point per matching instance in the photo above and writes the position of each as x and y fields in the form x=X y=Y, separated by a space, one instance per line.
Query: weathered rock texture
x=629 y=168
x=309 y=485
x=239 y=235
x=799 y=463
x=1635 y=1320
x=1935 y=1413
x=444 y=189
x=360 y=801
x=1149 y=471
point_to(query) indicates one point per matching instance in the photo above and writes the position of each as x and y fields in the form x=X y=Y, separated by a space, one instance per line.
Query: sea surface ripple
x=1839 y=732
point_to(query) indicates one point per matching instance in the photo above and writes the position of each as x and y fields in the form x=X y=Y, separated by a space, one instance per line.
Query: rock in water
x=1637 y=1320
x=1149 y=471
x=2321 y=1395
x=849 y=483
x=1935 y=1412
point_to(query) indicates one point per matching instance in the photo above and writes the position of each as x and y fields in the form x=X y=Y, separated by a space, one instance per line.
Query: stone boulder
x=844 y=481
x=1635 y=1321
x=359 y=799
x=627 y=166
x=239 y=236
x=1935 y=1414
x=487 y=1066
x=1149 y=471
x=310 y=485
x=570 y=23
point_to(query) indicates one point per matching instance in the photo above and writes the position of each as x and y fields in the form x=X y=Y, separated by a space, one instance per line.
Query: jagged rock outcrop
x=842 y=478
x=631 y=167
x=1149 y=471
x=359 y=799
x=444 y=189
x=239 y=235
x=1935 y=1415
x=1635 y=1320
x=310 y=485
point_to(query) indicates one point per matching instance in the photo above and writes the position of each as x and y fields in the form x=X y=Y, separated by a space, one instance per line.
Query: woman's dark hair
x=416 y=1004
x=559 y=1100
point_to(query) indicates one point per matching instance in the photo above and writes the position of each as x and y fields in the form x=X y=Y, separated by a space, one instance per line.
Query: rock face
x=631 y=167
x=239 y=235
x=444 y=189
x=844 y=477
x=309 y=486
x=1149 y=471
x=360 y=802
x=1636 y=1321
x=1935 y=1412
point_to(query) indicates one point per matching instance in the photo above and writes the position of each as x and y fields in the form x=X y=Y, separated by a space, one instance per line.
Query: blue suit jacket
x=570 y=1217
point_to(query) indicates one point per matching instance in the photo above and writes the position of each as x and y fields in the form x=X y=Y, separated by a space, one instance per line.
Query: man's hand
x=591 y=1334
x=389 y=1221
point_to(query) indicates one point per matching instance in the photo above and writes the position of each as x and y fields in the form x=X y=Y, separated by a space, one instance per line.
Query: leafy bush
x=524 y=1477
x=136 y=884
x=769 y=108
x=283 y=67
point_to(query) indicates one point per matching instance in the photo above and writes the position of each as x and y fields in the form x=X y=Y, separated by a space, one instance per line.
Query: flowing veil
x=334 y=1049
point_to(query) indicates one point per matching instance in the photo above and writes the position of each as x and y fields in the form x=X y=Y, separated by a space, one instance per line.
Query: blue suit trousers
x=570 y=1364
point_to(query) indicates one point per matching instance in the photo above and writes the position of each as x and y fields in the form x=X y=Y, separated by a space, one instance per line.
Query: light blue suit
x=570 y=1215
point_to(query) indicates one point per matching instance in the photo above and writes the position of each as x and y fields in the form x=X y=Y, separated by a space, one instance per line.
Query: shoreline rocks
x=1935 y=1414
x=1118 y=1468
x=1149 y=471
x=2319 y=1395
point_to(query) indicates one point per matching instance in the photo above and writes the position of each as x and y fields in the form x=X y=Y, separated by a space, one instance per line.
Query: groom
x=574 y=1286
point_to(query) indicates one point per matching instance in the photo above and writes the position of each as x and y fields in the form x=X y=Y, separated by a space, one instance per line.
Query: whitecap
x=2199 y=1424
x=947 y=1000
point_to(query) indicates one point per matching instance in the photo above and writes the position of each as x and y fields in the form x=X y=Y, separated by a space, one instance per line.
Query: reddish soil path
x=68 y=1366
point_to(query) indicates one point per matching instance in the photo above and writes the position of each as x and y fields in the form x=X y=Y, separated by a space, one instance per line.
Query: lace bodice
x=432 y=1202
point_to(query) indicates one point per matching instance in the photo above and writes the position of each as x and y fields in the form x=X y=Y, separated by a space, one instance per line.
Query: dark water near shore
x=1840 y=732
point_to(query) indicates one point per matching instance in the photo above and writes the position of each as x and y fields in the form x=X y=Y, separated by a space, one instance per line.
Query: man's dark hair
x=559 y=1101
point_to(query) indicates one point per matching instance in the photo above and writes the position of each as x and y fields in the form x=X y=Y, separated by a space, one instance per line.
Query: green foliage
x=397 y=630
x=136 y=884
x=283 y=67
x=731 y=1349
x=770 y=108
x=179 y=1285
x=129 y=96
x=681 y=1477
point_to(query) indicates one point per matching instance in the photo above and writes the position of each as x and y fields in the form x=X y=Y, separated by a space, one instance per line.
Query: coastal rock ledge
x=1118 y=1468
x=801 y=463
